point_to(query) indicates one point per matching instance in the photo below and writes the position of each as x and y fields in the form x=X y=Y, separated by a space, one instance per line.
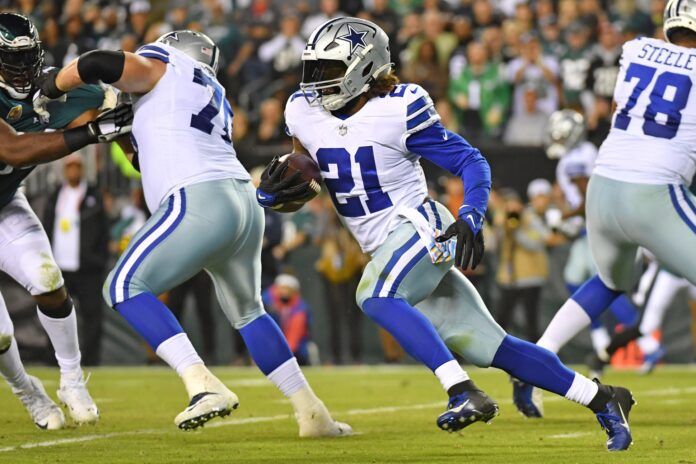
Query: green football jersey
x=21 y=116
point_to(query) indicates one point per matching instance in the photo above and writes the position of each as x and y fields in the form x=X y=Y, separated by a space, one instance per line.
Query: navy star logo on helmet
x=356 y=38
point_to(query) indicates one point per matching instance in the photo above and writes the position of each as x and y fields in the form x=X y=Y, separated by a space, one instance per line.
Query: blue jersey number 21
x=203 y=121
x=376 y=199
x=659 y=103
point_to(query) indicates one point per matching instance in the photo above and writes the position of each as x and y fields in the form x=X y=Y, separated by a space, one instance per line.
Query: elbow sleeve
x=101 y=65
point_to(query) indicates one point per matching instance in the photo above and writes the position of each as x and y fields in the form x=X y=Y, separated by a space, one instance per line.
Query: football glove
x=112 y=124
x=467 y=230
x=46 y=91
x=274 y=191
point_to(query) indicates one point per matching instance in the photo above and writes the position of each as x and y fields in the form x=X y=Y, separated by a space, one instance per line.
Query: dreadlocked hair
x=383 y=85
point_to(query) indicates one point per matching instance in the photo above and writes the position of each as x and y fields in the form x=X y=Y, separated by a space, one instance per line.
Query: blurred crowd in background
x=495 y=68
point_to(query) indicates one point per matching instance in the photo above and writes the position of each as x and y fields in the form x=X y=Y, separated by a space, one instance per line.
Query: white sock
x=568 y=321
x=582 y=390
x=12 y=369
x=451 y=373
x=63 y=336
x=288 y=377
x=600 y=340
x=178 y=352
x=292 y=383
x=648 y=344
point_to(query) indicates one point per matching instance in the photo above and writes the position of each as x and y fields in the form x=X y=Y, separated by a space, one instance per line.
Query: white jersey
x=578 y=162
x=364 y=161
x=653 y=134
x=182 y=128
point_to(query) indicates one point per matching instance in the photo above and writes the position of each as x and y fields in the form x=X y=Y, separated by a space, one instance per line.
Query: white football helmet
x=679 y=14
x=565 y=130
x=342 y=59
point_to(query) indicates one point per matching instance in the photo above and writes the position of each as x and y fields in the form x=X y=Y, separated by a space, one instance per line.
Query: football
x=299 y=162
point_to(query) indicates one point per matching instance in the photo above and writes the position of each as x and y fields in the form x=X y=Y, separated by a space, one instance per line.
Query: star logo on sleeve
x=356 y=38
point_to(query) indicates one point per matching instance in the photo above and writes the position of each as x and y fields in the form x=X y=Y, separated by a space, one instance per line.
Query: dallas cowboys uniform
x=370 y=166
x=638 y=193
x=578 y=162
x=205 y=214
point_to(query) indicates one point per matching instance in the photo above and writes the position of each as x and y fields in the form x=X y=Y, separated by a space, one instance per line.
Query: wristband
x=79 y=137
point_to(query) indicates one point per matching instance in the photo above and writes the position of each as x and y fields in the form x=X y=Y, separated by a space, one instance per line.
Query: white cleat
x=206 y=406
x=43 y=411
x=74 y=395
x=317 y=422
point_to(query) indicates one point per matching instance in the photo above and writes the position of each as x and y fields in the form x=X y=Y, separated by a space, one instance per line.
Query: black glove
x=113 y=123
x=469 y=244
x=274 y=191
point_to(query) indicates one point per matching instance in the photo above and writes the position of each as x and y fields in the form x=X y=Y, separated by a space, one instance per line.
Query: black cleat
x=465 y=409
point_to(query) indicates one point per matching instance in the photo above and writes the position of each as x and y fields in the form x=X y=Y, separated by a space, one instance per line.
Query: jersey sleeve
x=420 y=109
x=157 y=51
x=78 y=101
x=292 y=108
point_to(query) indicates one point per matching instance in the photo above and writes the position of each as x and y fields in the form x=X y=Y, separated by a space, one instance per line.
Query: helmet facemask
x=19 y=68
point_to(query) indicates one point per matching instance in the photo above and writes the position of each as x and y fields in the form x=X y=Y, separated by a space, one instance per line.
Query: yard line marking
x=350 y=412
x=570 y=435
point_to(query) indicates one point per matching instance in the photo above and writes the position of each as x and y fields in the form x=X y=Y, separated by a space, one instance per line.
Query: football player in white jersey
x=204 y=216
x=566 y=141
x=367 y=133
x=638 y=194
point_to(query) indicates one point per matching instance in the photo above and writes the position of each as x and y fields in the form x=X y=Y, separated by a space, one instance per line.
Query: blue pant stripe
x=687 y=199
x=392 y=262
x=438 y=219
x=154 y=244
x=125 y=259
x=680 y=210
x=404 y=272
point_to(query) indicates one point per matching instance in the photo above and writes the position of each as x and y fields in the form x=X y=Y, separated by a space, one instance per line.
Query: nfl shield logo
x=15 y=113
x=342 y=130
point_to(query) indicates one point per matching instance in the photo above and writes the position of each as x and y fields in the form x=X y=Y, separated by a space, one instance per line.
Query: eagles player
x=204 y=217
x=25 y=253
x=638 y=194
x=367 y=133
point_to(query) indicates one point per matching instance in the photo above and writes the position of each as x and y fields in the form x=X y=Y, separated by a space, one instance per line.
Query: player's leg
x=614 y=254
x=43 y=411
x=664 y=291
x=173 y=246
x=25 y=254
x=463 y=320
x=236 y=274
x=400 y=274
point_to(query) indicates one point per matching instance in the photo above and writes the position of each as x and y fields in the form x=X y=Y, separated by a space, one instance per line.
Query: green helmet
x=21 y=55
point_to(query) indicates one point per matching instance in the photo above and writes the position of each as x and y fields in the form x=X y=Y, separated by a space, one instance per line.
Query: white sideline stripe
x=350 y=412
x=140 y=249
x=570 y=435
x=399 y=266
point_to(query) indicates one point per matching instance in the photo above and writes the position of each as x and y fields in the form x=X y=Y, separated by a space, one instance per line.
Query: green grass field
x=393 y=411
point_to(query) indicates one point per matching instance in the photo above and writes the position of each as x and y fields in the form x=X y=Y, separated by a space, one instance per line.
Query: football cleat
x=43 y=411
x=527 y=399
x=74 y=395
x=317 y=422
x=206 y=406
x=651 y=360
x=614 y=419
x=465 y=409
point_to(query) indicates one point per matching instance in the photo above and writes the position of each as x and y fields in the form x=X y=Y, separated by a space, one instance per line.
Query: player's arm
x=124 y=70
x=450 y=151
x=22 y=150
